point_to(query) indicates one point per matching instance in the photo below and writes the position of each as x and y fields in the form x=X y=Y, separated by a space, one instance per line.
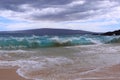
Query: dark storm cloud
x=14 y=4
x=59 y=10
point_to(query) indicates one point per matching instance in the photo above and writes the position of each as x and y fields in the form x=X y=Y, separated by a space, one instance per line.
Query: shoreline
x=92 y=62
x=106 y=73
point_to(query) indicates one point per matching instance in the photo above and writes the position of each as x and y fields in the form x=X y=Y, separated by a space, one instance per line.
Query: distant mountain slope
x=117 y=32
x=44 y=31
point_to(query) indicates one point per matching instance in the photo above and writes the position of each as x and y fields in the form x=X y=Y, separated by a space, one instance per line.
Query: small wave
x=115 y=40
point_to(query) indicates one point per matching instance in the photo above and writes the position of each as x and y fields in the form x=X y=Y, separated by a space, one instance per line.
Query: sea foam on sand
x=89 y=62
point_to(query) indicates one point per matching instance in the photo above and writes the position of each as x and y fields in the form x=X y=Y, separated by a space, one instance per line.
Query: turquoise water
x=54 y=41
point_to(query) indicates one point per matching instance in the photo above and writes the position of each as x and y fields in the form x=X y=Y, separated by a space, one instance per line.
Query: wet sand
x=106 y=73
x=9 y=74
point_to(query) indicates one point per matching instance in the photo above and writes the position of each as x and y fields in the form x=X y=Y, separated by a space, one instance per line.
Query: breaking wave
x=54 y=41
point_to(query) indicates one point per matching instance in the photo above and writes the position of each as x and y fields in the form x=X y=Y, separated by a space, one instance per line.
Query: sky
x=89 y=15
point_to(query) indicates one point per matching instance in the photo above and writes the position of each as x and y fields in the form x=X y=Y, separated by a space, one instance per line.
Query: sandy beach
x=107 y=73
x=9 y=74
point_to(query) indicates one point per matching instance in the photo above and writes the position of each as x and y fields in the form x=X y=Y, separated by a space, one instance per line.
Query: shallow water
x=85 y=62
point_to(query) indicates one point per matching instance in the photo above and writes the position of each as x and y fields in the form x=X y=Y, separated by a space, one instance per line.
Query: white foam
x=60 y=40
x=29 y=65
x=95 y=41
x=95 y=56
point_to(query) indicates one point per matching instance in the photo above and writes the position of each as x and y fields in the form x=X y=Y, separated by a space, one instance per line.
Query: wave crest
x=54 y=41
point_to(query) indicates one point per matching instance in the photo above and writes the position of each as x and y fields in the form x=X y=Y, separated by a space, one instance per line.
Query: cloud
x=95 y=26
x=59 y=10
x=72 y=14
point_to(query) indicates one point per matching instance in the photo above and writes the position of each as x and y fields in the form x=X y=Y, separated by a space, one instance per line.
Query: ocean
x=67 y=57
x=33 y=42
